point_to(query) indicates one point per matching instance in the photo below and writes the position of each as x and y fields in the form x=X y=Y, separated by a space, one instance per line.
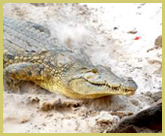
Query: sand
x=119 y=36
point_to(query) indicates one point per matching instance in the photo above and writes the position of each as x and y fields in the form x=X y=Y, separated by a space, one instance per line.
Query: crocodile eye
x=94 y=70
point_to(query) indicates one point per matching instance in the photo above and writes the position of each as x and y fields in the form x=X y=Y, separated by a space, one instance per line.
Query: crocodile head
x=99 y=81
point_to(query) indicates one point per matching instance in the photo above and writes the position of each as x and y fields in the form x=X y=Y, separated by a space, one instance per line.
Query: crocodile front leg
x=25 y=71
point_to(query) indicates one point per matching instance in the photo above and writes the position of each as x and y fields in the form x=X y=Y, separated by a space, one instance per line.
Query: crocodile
x=32 y=54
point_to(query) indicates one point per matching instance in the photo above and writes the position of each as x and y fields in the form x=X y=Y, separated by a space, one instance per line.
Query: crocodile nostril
x=126 y=90
x=94 y=70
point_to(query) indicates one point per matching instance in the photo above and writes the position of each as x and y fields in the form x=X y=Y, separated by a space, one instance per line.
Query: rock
x=103 y=121
x=134 y=102
x=104 y=117
x=24 y=120
x=122 y=114
x=155 y=103
x=115 y=28
x=129 y=129
x=38 y=4
x=158 y=42
x=148 y=93
x=132 y=32
x=150 y=118
x=46 y=106
x=156 y=96
x=33 y=100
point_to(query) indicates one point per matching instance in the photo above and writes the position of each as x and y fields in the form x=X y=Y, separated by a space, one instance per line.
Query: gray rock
x=150 y=118
x=156 y=96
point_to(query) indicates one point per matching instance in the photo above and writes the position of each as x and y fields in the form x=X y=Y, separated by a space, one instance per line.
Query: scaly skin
x=31 y=54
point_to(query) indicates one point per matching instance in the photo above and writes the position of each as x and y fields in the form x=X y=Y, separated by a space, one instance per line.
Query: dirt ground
x=123 y=37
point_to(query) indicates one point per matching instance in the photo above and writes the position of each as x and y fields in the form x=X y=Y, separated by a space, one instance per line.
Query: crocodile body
x=30 y=53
